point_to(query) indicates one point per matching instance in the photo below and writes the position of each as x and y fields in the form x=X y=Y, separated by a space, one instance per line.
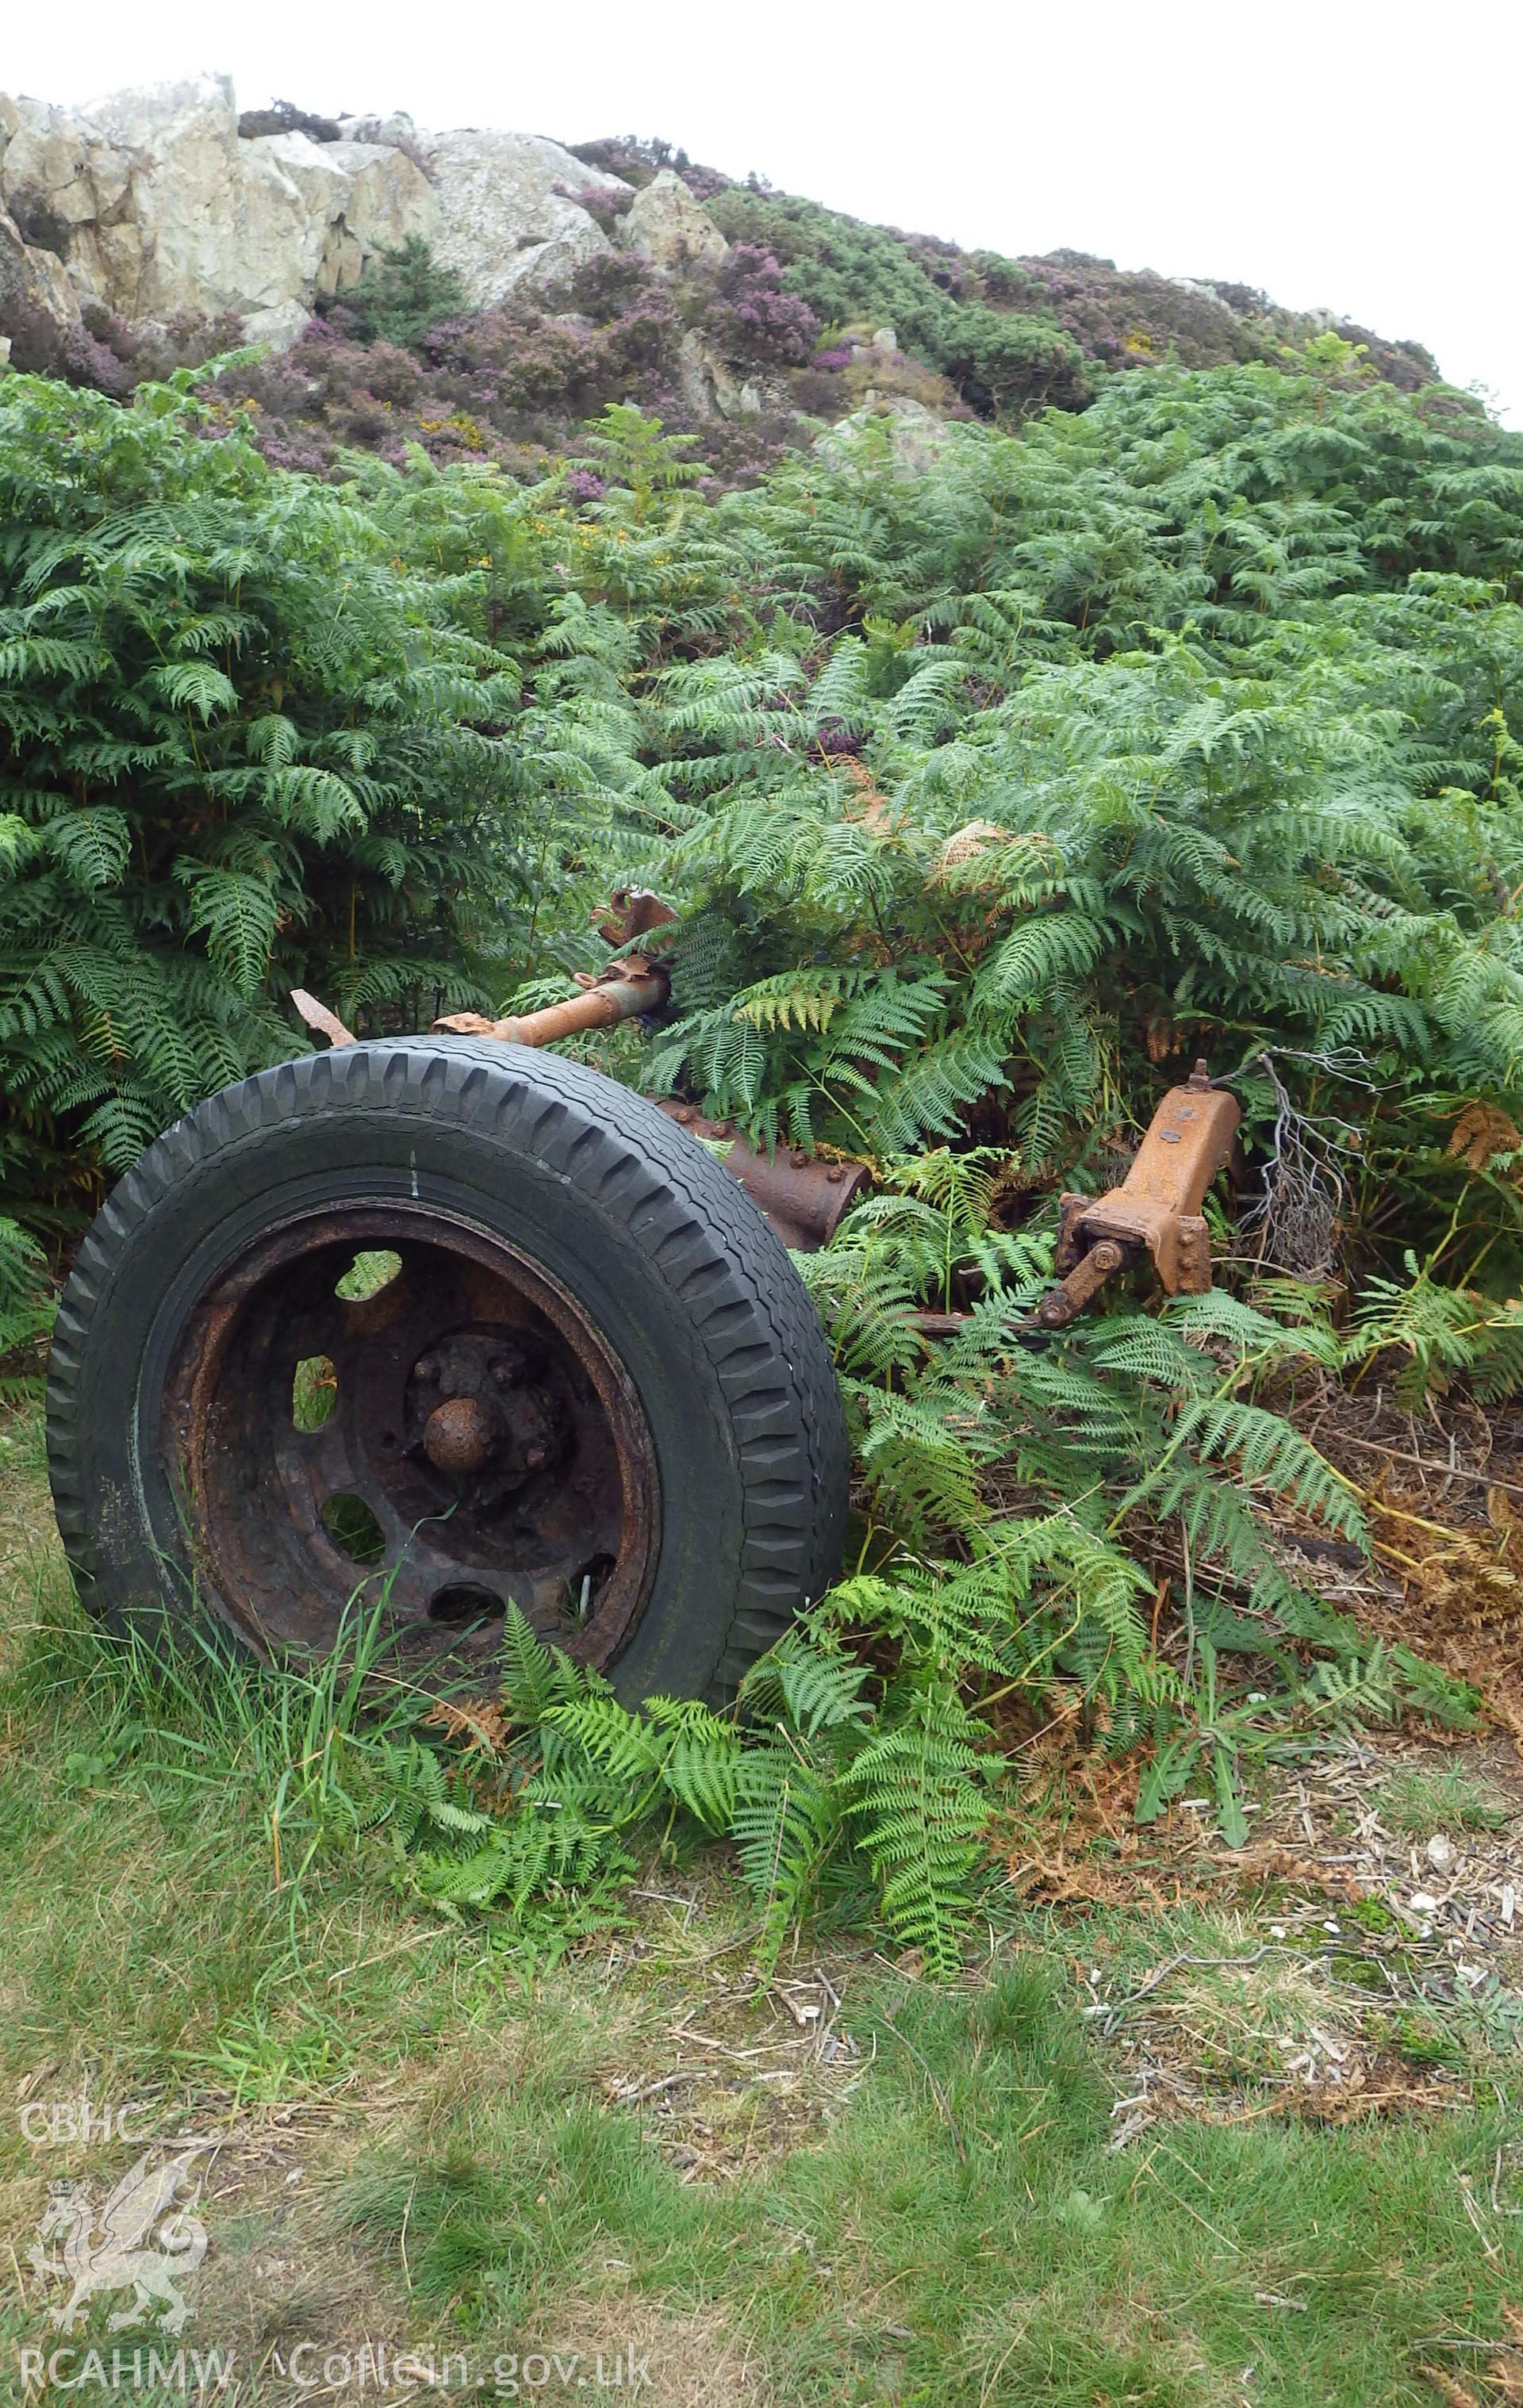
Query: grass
x=966 y=2234
x=1448 y=1798
x=429 y=2140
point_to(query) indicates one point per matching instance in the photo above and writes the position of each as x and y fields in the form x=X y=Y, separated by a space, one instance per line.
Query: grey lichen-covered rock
x=60 y=187
x=913 y=436
x=667 y=226
x=388 y=199
x=217 y=223
x=396 y=132
x=47 y=164
x=164 y=191
x=152 y=204
x=237 y=225
x=507 y=219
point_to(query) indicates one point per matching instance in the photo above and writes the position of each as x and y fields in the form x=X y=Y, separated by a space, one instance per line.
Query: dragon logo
x=144 y=2238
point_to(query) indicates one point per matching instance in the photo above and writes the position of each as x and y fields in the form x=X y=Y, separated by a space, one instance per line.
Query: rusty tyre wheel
x=439 y=1323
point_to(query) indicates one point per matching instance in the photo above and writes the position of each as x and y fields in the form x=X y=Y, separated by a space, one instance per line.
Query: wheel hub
x=483 y=1409
x=389 y=1401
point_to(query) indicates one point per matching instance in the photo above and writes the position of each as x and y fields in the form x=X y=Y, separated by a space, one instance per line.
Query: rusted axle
x=624 y=992
x=1156 y=1207
x=805 y=1198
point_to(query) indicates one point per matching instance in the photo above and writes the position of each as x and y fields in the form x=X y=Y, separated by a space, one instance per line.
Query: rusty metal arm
x=1156 y=1207
x=624 y=990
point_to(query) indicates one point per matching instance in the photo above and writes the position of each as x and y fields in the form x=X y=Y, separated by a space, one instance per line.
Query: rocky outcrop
x=507 y=218
x=151 y=204
x=187 y=218
x=914 y=435
x=665 y=225
x=714 y=387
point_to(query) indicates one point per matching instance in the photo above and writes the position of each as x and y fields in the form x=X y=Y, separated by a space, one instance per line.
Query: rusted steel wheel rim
x=387 y=1405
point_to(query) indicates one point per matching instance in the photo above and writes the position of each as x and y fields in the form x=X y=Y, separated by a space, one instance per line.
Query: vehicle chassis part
x=804 y=1197
x=1156 y=1207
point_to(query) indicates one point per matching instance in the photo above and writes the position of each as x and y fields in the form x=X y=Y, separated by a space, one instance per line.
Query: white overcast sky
x=1359 y=156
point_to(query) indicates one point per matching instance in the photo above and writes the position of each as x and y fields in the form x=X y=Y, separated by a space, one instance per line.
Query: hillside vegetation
x=809 y=315
x=1000 y=759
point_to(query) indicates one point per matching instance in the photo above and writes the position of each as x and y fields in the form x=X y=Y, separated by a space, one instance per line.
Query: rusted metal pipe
x=805 y=1197
x=624 y=992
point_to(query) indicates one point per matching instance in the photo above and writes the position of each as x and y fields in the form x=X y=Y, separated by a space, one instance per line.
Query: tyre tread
x=697 y=1227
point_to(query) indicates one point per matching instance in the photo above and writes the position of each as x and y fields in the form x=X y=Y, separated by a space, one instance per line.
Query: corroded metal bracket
x=317 y=1016
x=632 y=912
x=1156 y=1206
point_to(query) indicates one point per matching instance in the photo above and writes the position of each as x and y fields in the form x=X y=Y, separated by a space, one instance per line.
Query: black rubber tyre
x=664 y=1256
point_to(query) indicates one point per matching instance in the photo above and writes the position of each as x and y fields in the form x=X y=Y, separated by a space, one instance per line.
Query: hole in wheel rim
x=460 y=1603
x=587 y=1585
x=351 y=1524
x=367 y=1274
x=314 y=1393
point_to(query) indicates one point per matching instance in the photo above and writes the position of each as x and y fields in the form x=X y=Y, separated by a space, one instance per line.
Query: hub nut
x=459 y=1436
